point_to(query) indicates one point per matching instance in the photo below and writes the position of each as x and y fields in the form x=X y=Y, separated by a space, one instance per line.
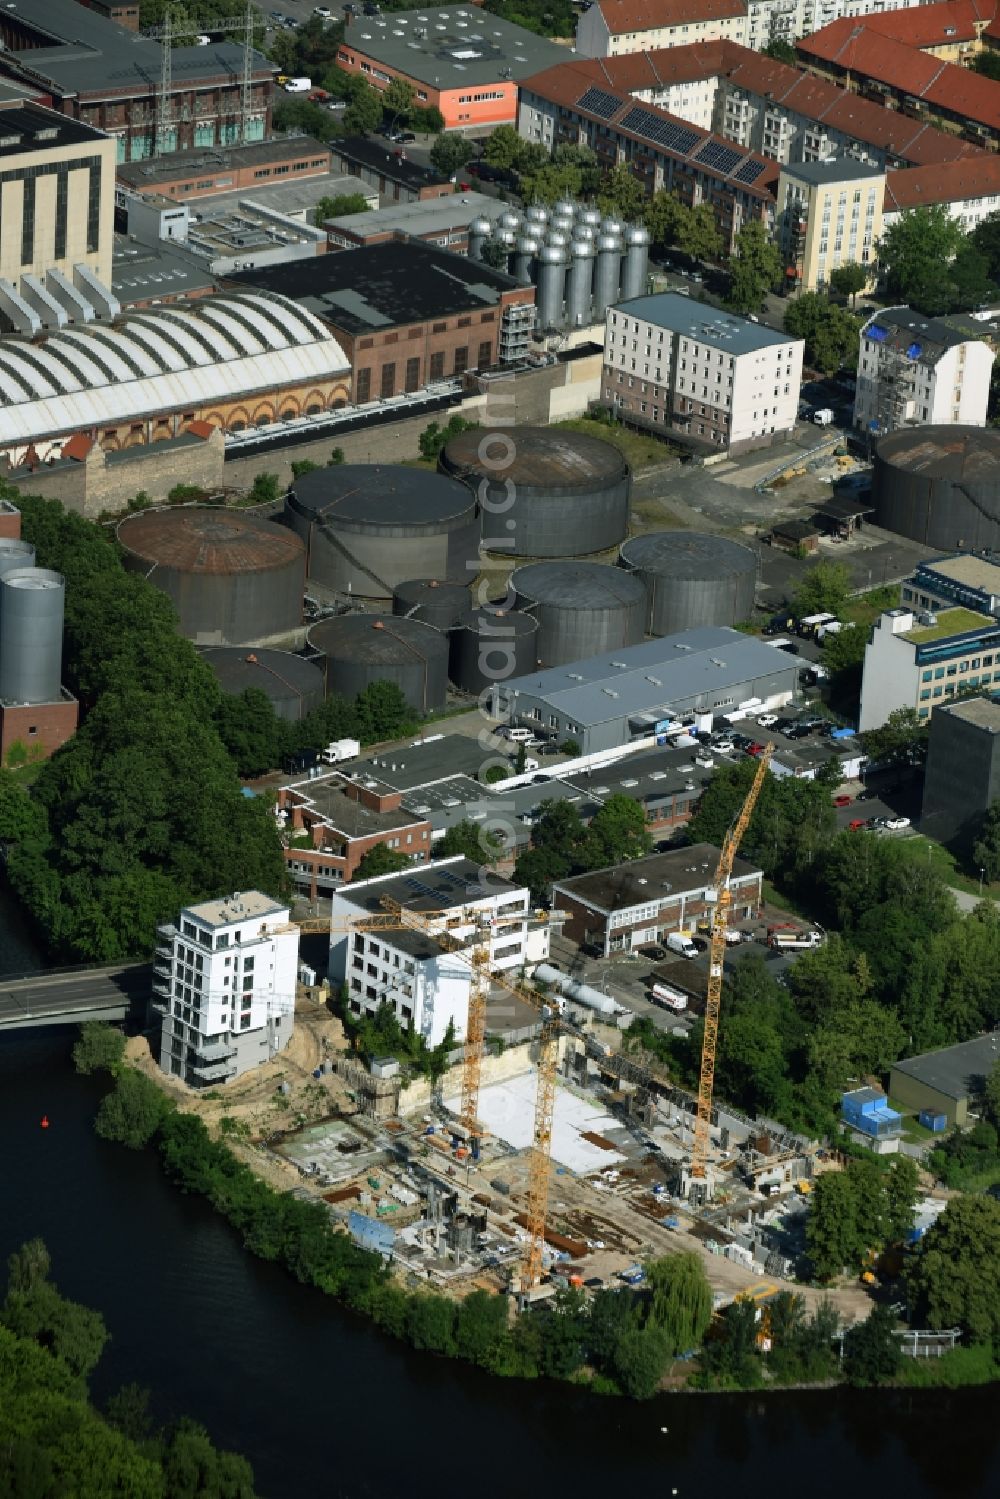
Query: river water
x=326 y=1408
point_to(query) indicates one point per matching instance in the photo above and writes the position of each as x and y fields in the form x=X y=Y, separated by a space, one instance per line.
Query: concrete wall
x=96 y=485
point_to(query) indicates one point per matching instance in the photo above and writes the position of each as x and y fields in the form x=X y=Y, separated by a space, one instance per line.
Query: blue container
x=932 y=1120
x=429 y=1130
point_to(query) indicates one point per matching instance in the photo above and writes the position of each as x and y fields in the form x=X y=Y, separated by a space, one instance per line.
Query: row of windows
x=956 y=669
x=411 y=379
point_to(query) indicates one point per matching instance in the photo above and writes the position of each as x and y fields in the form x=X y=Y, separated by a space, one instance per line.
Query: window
x=388 y=387
x=437 y=367
x=412 y=374
x=364 y=385
x=485 y=354
x=461 y=360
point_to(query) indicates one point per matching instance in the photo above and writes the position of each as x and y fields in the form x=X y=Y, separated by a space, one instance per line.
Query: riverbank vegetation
x=54 y=1443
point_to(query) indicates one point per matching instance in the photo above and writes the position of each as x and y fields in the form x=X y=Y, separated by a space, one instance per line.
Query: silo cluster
x=360 y=649
x=583 y=608
x=293 y=686
x=579 y=263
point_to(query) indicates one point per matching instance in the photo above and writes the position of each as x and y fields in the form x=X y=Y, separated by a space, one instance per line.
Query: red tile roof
x=944 y=24
x=915 y=187
x=648 y=15
x=78 y=446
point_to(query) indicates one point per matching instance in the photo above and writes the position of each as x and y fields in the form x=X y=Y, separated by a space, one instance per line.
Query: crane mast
x=716 y=962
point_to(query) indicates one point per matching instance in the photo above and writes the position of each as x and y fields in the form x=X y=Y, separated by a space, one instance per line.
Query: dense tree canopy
x=955 y=1279
x=830 y=332
x=755 y=267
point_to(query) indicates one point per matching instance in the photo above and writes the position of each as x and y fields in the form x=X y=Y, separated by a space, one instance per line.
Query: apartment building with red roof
x=609 y=28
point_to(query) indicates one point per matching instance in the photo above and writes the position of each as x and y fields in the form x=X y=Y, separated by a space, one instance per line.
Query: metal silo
x=233 y=579
x=635 y=269
x=536 y=218
x=612 y=226
x=564 y=209
x=940 y=486
x=360 y=649
x=692 y=579
x=511 y=222
x=551 y=280
x=433 y=603
x=32 y=604
x=524 y=254
x=491 y=644
x=546 y=492
x=479 y=232
x=558 y=239
x=609 y=252
x=15 y=554
x=583 y=608
x=370 y=527
x=292 y=685
x=590 y=217
x=579 y=287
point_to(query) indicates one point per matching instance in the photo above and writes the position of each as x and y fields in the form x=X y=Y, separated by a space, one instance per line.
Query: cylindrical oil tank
x=368 y=527
x=579 y=287
x=233 y=578
x=543 y=492
x=609 y=254
x=582 y=608
x=432 y=602
x=692 y=579
x=360 y=649
x=490 y=645
x=32 y=604
x=294 y=686
x=940 y=486
x=479 y=232
x=524 y=253
x=551 y=279
x=15 y=554
x=635 y=269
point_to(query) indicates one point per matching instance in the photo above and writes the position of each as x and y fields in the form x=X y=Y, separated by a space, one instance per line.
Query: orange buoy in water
x=45 y=1121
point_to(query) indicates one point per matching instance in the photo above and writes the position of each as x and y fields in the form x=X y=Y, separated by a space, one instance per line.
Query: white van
x=680 y=942
x=517 y=736
x=297 y=85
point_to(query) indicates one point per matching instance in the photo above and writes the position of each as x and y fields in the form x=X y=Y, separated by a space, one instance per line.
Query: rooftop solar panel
x=666 y=133
x=749 y=172
x=598 y=102
x=717 y=157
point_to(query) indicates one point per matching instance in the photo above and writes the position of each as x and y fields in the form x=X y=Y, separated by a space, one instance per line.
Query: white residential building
x=914 y=370
x=224 y=981
x=610 y=28
x=923 y=660
x=672 y=364
x=427 y=983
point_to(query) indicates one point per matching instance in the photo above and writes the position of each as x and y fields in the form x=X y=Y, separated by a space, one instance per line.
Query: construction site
x=563 y=1158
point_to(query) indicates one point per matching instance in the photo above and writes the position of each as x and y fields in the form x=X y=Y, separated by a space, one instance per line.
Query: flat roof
x=391 y=164
x=244 y=905
x=381 y=286
x=433 y=887
x=708 y=325
x=488 y=804
x=28 y=127
x=955 y=1071
x=294 y=198
x=453 y=47
x=655 y=674
x=146 y=174
x=657 y=878
x=423 y=763
x=422 y=217
x=970 y=571
x=983 y=712
x=328 y=797
x=843 y=507
x=831 y=169
x=949 y=622
x=140 y=272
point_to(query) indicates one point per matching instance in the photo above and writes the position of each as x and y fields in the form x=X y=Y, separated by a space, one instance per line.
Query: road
x=66 y=998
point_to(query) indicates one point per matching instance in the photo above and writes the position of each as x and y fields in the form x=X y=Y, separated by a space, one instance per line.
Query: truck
x=794 y=941
x=811 y=624
x=341 y=749
x=823 y=417
x=680 y=942
x=669 y=997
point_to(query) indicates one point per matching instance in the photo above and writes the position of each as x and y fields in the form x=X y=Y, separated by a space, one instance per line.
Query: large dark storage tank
x=364 y=648
x=544 y=493
x=369 y=527
x=583 y=608
x=439 y=604
x=490 y=645
x=940 y=486
x=692 y=579
x=294 y=686
x=233 y=579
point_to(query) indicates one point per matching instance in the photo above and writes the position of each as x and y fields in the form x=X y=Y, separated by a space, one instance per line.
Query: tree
x=986 y=236
x=251 y=731
x=100 y=1048
x=449 y=152
x=698 y=234
x=831 y=333
x=398 y=98
x=265 y=489
x=955 y=1279
x=503 y=148
x=364 y=113
x=639 y=1360
x=903 y=737
x=621 y=193
x=831 y=1229
x=987 y=63
x=847 y=280
x=471 y=839
x=915 y=253
x=382 y=712
x=969 y=281
x=73 y=1333
x=824 y=589
x=991 y=1093
x=679 y=1300
x=430 y=1324
x=428 y=120
x=986 y=848
x=28 y=1267
x=338 y=207
x=380 y=860
x=617 y=832
x=781 y=51
x=481 y=1326
x=133 y=1111
x=434 y=437
x=755 y=267
x=872 y=1351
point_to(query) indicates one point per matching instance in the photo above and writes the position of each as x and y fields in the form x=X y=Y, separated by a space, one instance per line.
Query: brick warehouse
x=344 y=821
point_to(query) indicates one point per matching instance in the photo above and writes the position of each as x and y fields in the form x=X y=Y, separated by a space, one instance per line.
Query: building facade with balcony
x=224 y=984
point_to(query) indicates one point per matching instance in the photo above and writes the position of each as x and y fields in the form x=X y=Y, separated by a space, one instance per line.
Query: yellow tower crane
x=716 y=960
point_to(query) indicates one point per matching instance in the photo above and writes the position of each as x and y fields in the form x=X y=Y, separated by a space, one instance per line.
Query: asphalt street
x=55 y=993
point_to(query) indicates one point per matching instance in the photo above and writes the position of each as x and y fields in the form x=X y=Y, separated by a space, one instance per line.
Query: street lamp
x=981 y=873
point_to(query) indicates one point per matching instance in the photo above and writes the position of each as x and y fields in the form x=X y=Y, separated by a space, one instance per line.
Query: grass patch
x=641 y=450
x=775 y=897
x=913 y=1131
x=963 y=1366
x=948 y=867
x=864 y=608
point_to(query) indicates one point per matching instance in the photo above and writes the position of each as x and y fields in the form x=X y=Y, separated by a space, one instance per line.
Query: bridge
x=68 y=996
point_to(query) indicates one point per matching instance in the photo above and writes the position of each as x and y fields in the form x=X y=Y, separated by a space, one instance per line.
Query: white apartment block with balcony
x=224 y=982
x=724 y=381
x=425 y=980
x=611 y=28
x=920 y=371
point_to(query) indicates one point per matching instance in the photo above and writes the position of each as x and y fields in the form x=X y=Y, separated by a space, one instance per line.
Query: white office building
x=426 y=981
x=224 y=982
x=672 y=364
x=924 y=660
x=920 y=371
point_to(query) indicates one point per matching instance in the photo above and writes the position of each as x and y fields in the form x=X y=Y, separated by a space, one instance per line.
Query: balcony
x=162 y=986
x=214 y=1072
x=212 y=1052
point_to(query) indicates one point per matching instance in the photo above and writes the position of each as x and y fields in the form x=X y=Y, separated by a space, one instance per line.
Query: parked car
x=842 y=801
x=404 y=137
x=866 y=795
x=856 y=825
x=705 y=761
x=756 y=748
x=654 y=952
x=767 y=720
x=896 y=824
